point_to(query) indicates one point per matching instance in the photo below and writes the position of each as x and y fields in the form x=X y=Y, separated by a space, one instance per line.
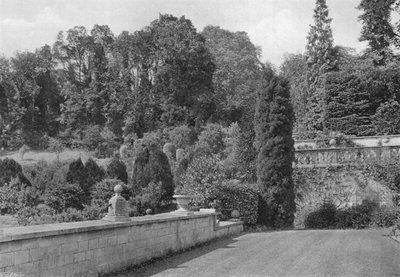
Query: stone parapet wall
x=340 y=156
x=90 y=248
x=367 y=141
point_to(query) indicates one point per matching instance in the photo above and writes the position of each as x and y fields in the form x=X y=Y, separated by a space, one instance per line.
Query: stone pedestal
x=117 y=207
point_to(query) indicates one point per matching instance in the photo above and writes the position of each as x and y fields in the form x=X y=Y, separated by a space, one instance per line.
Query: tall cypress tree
x=321 y=57
x=274 y=143
x=377 y=29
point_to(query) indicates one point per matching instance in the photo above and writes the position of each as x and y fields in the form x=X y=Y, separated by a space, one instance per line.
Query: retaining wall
x=90 y=248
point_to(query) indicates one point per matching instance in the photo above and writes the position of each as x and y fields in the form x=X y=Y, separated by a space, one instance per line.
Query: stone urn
x=182 y=201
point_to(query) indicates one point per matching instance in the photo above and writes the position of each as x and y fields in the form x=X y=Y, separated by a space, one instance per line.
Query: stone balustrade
x=340 y=156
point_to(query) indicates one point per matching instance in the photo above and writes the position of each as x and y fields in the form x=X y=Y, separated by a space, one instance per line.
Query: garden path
x=286 y=253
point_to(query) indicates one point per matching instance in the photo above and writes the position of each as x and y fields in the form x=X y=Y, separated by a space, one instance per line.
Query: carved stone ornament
x=117 y=207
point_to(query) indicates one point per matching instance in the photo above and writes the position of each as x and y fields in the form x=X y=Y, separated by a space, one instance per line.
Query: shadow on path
x=176 y=260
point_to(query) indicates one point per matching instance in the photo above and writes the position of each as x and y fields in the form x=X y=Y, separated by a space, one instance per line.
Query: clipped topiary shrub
x=10 y=169
x=94 y=172
x=116 y=169
x=77 y=174
x=152 y=166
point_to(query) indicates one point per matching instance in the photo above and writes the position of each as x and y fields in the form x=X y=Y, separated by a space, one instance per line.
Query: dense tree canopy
x=377 y=29
x=353 y=97
x=237 y=71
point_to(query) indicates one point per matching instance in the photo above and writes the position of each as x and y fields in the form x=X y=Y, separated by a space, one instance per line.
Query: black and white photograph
x=199 y=138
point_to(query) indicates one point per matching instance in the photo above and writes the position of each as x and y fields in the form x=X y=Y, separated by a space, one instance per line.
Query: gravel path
x=286 y=253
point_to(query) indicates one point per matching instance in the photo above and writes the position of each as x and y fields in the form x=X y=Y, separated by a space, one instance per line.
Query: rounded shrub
x=150 y=197
x=385 y=216
x=41 y=214
x=212 y=137
x=324 y=217
x=64 y=196
x=386 y=120
x=238 y=197
x=14 y=198
x=182 y=136
x=201 y=179
x=116 y=169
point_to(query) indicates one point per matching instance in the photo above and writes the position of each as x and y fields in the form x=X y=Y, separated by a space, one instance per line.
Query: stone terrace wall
x=90 y=248
x=368 y=141
x=339 y=156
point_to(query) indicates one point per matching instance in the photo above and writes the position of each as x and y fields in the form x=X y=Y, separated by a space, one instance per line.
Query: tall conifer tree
x=320 y=58
x=274 y=143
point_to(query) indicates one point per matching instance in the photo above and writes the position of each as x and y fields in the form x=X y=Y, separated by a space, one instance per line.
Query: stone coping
x=227 y=224
x=341 y=149
x=353 y=138
x=46 y=230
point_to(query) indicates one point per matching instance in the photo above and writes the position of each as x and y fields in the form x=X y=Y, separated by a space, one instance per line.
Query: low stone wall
x=90 y=248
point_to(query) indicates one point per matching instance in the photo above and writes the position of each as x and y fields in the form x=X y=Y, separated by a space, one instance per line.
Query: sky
x=277 y=26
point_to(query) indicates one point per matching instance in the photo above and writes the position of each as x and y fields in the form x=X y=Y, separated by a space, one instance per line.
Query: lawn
x=33 y=156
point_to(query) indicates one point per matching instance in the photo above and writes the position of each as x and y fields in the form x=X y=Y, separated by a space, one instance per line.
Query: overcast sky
x=278 y=26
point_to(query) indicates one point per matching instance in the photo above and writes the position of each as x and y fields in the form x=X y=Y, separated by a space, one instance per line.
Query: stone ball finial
x=332 y=142
x=235 y=214
x=118 y=189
